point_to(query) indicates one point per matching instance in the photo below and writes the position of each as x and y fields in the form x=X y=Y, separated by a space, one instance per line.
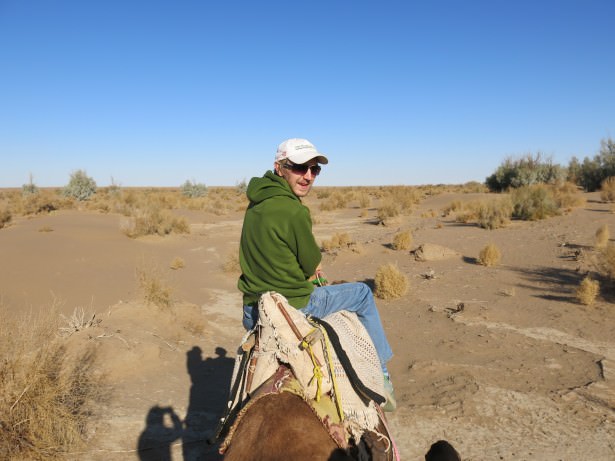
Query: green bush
x=591 y=172
x=534 y=202
x=526 y=171
x=80 y=187
x=192 y=189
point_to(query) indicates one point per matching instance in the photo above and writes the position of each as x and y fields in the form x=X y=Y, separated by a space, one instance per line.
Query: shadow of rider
x=208 y=395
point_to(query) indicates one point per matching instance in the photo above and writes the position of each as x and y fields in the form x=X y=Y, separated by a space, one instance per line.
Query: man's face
x=300 y=183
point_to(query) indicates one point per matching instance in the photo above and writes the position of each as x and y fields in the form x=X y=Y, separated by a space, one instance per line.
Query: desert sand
x=501 y=361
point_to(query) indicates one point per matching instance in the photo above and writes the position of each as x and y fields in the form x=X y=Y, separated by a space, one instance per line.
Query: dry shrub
x=490 y=255
x=177 y=263
x=5 y=217
x=494 y=213
x=153 y=220
x=402 y=240
x=365 y=200
x=154 y=288
x=390 y=283
x=388 y=212
x=231 y=265
x=405 y=197
x=339 y=241
x=337 y=200
x=602 y=236
x=47 y=395
x=607 y=261
x=531 y=203
x=607 y=189
x=588 y=291
x=567 y=195
x=452 y=207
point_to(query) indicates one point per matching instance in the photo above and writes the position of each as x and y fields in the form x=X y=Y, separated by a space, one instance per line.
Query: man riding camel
x=278 y=251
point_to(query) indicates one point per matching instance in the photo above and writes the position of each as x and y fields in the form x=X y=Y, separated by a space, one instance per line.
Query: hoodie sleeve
x=308 y=252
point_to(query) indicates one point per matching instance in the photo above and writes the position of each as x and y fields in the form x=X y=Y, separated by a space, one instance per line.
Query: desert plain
x=503 y=362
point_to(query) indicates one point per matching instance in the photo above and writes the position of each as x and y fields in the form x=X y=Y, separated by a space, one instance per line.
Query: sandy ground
x=522 y=372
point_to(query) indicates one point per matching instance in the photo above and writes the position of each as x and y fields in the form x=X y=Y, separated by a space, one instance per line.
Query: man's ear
x=276 y=168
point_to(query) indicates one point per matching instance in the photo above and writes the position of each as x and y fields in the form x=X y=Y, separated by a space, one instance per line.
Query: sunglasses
x=301 y=168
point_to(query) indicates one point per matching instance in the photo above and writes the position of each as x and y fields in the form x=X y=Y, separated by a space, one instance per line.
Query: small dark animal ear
x=442 y=451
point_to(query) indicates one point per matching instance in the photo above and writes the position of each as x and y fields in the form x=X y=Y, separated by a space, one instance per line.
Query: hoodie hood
x=270 y=185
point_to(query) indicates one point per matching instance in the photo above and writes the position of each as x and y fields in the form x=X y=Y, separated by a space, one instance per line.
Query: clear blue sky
x=154 y=93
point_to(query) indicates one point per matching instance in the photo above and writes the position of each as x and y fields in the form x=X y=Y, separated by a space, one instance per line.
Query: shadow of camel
x=210 y=379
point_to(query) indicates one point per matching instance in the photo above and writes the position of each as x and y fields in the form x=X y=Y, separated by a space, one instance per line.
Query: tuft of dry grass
x=494 y=214
x=607 y=189
x=47 y=396
x=177 y=263
x=339 y=241
x=336 y=201
x=154 y=288
x=78 y=321
x=602 y=236
x=490 y=255
x=588 y=290
x=606 y=261
x=231 y=265
x=5 y=217
x=390 y=282
x=388 y=212
x=402 y=240
x=154 y=220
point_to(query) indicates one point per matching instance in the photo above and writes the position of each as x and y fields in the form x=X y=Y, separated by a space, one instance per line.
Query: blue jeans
x=352 y=297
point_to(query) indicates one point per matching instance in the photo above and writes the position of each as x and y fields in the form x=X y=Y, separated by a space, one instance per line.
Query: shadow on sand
x=208 y=395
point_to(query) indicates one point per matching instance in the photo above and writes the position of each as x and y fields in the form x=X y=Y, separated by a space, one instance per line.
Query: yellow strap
x=317 y=371
x=338 y=397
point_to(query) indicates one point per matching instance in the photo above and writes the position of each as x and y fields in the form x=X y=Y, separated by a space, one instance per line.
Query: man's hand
x=319 y=278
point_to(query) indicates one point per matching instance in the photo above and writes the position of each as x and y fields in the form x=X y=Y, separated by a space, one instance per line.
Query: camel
x=282 y=426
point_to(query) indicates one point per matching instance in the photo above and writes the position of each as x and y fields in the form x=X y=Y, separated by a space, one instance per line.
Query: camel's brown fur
x=281 y=427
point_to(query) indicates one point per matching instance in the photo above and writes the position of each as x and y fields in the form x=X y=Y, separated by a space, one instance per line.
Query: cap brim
x=305 y=157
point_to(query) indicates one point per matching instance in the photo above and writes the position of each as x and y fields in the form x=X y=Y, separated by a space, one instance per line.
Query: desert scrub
x=607 y=189
x=29 y=188
x=388 y=212
x=193 y=189
x=336 y=201
x=80 y=186
x=490 y=255
x=606 y=261
x=402 y=240
x=47 y=396
x=154 y=288
x=389 y=282
x=494 y=213
x=5 y=216
x=177 y=263
x=602 y=236
x=453 y=207
x=531 y=203
x=231 y=264
x=588 y=290
x=364 y=199
x=337 y=242
x=155 y=221
x=567 y=195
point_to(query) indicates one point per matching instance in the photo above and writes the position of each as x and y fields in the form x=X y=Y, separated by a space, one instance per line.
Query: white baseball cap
x=299 y=151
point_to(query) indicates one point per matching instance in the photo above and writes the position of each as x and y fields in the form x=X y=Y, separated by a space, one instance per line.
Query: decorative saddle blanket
x=332 y=359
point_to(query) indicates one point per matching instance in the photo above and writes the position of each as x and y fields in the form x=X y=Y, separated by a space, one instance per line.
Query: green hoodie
x=277 y=251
